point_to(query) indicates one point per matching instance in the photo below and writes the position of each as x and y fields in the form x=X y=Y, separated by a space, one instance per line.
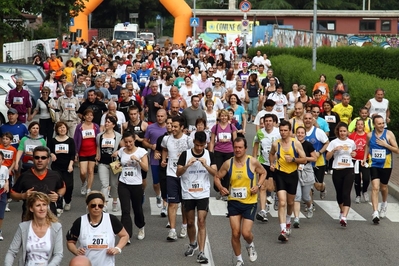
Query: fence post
x=26 y=50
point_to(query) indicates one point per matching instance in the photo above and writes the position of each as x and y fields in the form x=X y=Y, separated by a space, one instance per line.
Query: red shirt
x=360 y=142
x=320 y=104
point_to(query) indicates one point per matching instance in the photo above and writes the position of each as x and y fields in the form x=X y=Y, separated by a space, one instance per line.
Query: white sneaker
x=366 y=197
x=309 y=213
x=67 y=207
x=375 y=218
x=357 y=200
x=172 y=236
x=164 y=212
x=88 y=191
x=253 y=255
x=1 y=236
x=115 y=206
x=159 y=202
x=7 y=207
x=183 y=232
x=141 y=234
x=83 y=189
x=269 y=200
x=383 y=212
x=59 y=212
x=239 y=263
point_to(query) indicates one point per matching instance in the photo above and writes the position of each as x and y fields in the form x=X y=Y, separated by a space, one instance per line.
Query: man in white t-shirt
x=379 y=106
x=281 y=102
x=195 y=168
x=173 y=145
x=257 y=60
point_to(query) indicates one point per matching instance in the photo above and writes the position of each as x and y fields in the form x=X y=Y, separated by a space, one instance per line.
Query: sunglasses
x=40 y=157
x=97 y=205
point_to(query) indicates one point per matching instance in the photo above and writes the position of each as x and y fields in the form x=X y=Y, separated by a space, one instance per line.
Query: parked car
x=147 y=36
x=33 y=75
x=11 y=78
x=5 y=87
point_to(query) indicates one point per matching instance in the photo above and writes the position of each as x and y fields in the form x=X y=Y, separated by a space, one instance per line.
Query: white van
x=125 y=31
x=147 y=36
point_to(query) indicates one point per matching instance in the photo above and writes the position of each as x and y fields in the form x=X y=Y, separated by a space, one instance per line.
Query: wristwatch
x=259 y=186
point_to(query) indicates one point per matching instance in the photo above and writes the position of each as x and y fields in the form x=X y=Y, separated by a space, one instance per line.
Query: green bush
x=290 y=69
x=370 y=59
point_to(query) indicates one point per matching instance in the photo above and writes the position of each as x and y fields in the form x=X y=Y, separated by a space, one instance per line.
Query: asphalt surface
x=319 y=241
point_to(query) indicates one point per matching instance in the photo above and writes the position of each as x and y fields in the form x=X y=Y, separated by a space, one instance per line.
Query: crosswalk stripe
x=331 y=208
x=274 y=214
x=157 y=211
x=392 y=211
x=217 y=207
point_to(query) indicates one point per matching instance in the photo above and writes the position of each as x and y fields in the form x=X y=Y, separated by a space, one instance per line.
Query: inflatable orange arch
x=179 y=9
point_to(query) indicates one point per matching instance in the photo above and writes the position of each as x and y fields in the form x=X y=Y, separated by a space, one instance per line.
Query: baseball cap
x=128 y=77
x=12 y=111
x=182 y=70
x=244 y=64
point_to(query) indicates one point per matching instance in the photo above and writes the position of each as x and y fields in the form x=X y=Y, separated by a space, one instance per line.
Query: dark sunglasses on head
x=40 y=157
x=97 y=205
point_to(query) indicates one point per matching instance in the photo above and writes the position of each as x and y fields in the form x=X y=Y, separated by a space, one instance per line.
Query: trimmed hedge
x=369 y=59
x=290 y=69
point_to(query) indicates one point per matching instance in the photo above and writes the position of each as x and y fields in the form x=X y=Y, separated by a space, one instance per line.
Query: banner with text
x=227 y=26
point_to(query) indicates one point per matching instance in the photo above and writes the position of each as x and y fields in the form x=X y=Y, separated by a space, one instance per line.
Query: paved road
x=319 y=241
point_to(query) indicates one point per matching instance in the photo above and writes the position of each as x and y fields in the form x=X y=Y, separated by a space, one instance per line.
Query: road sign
x=133 y=15
x=71 y=22
x=244 y=23
x=194 y=22
x=158 y=17
x=245 y=6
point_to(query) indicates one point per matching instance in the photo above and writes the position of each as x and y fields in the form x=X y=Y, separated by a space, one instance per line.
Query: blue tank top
x=317 y=145
x=380 y=157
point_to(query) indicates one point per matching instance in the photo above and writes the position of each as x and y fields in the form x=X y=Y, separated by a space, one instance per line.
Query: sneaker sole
x=163 y=214
x=191 y=254
x=202 y=261
x=296 y=225
x=282 y=238
x=260 y=218
x=171 y=239
x=376 y=220
x=343 y=223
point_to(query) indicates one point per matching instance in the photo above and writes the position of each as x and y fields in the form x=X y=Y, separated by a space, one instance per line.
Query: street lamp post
x=194 y=28
x=315 y=24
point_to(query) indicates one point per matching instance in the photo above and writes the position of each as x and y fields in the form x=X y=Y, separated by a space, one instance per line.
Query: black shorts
x=200 y=204
x=87 y=158
x=247 y=211
x=173 y=189
x=162 y=182
x=287 y=182
x=383 y=174
x=269 y=173
x=319 y=172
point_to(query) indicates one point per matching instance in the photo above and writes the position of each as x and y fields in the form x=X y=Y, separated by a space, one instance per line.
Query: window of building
x=367 y=25
x=271 y=22
x=324 y=25
x=385 y=25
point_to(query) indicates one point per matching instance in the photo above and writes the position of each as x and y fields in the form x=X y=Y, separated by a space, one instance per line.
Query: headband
x=94 y=196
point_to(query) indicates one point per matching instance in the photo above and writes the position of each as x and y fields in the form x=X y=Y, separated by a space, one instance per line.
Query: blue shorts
x=247 y=211
x=155 y=174
x=3 y=203
x=173 y=188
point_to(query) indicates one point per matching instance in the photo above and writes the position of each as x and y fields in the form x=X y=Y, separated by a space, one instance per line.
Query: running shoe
x=1 y=236
x=383 y=212
x=269 y=200
x=253 y=255
x=183 y=232
x=295 y=224
x=340 y=215
x=7 y=207
x=343 y=222
x=283 y=236
x=288 y=229
x=164 y=211
x=323 y=194
x=366 y=197
x=262 y=216
x=357 y=200
x=67 y=207
x=141 y=234
x=159 y=202
x=239 y=263
x=376 y=218
x=275 y=205
x=83 y=189
x=191 y=249
x=59 y=212
x=172 y=236
x=115 y=206
x=201 y=258
x=88 y=191
x=309 y=213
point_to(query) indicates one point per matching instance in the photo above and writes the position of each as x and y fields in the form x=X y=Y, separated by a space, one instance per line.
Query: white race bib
x=114 y=97
x=29 y=149
x=196 y=186
x=174 y=163
x=61 y=148
x=129 y=171
x=330 y=118
x=223 y=136
x=15 y=139
x=99 y=241
x=7 y=154
x=88 y=134
x=79 y=96
x=344 y=160
x=69 y=107
x=191 y=127
x=18 y=100
x=108 y=143
x=143 y=79
x=378 y=153
x=238 y=192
